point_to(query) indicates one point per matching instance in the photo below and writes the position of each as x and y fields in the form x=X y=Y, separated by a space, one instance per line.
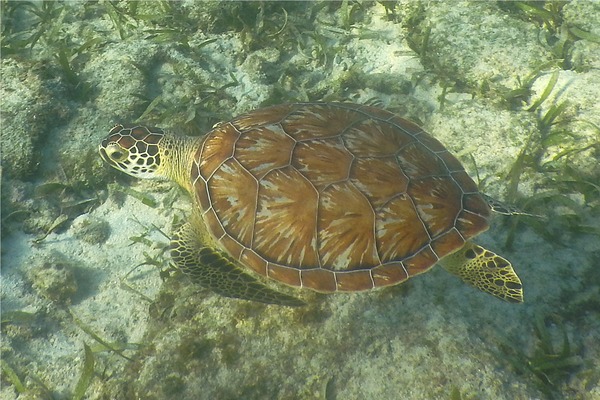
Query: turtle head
x=133 y=150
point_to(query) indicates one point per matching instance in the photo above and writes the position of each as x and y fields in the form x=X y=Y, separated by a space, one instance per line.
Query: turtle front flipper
x=486 y=271
x=213 y=269
x=506 y=209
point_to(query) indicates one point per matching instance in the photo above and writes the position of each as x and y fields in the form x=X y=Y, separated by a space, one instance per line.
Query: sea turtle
x=332 y=197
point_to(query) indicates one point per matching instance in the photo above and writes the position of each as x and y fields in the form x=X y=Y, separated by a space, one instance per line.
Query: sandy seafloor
x=462 y=70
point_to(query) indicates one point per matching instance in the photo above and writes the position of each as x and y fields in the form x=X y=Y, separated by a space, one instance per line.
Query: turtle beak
x=105 y=157
x=103 y=154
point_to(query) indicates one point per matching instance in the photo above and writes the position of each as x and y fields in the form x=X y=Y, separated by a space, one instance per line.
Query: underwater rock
x=53 y=277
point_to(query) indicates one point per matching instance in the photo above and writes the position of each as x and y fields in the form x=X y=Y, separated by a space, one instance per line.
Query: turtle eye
x=116 y=152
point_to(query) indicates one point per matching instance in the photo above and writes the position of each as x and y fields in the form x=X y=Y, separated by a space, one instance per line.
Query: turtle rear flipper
x=486 y=271
x=214 y=270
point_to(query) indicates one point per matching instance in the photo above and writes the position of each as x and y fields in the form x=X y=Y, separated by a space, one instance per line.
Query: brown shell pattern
x=334 y=197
